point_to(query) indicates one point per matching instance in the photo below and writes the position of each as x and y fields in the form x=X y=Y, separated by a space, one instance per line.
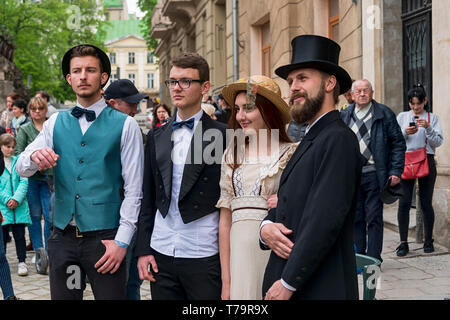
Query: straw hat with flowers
x=261 y=85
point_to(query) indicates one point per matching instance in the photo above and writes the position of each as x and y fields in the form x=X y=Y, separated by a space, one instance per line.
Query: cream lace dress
x=245 y=192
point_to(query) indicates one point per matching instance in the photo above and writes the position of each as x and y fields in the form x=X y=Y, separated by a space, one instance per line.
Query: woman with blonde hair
x=251 y=171
x=38 y=194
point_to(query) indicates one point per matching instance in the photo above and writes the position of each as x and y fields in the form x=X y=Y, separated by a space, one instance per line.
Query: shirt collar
x=365 y=109
x=196 y=117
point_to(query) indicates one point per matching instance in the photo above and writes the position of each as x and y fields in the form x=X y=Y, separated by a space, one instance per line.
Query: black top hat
x=316 y=52
x=106 y=65
x=390 y=194
x=124 y=89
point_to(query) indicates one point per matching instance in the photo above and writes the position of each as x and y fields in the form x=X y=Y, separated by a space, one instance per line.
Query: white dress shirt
x=171 y=236
x=132 y=160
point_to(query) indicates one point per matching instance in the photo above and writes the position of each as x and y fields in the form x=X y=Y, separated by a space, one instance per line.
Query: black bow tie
x=77 y=112
x=188 y=123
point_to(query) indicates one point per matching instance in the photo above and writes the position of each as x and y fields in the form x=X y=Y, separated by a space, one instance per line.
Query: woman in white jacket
x=426 y=131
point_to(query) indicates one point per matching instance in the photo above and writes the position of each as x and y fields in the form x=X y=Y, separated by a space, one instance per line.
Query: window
x=150 y=80
x=265 y=49
x=132 y=78
x=333 y=20
x=113 y=77
x=131 y=57
x=150 y=58
x=112 y=57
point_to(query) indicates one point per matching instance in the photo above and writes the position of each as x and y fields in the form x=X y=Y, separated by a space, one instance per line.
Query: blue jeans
x=38 y=197
x=133 y=282
x=369 y=217
x=5 y=273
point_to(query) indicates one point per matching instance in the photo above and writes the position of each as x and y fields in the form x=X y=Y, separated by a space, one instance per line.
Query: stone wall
x=10 y=81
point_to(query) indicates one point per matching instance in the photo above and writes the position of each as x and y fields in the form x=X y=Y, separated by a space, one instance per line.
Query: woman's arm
x=224 y=250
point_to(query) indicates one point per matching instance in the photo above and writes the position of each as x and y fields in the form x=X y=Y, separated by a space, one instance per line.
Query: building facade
x=128 y=53
x=394 y=44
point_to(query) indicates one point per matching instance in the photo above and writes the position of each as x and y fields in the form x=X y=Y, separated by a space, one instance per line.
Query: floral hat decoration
x=261 y=85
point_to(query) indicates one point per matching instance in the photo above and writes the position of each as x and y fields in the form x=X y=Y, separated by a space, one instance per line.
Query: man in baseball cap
x=123 y=96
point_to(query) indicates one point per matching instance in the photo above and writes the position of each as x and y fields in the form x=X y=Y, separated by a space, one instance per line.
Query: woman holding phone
x=420 y=128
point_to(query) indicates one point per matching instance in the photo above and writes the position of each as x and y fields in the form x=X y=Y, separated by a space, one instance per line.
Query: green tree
x=147 y=6
x=43 y=31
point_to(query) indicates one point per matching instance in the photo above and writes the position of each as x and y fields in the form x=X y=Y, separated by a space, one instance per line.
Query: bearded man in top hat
x=310 y=232
x=95 y=151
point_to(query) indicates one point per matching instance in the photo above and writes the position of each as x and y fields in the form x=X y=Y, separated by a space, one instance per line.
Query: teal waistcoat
x=88 y=174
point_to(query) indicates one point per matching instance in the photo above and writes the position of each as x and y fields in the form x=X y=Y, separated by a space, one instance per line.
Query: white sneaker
x=22 y=270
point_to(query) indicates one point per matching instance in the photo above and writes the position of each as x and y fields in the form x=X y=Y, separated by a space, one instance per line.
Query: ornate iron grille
x=417 y=54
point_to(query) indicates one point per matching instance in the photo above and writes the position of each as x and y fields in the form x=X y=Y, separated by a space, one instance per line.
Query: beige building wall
x=193 y=26
x=140 y=68
x=118 y=13
x=441 y=85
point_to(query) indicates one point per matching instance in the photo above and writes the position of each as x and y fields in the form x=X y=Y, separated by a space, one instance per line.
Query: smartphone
x=412 y=124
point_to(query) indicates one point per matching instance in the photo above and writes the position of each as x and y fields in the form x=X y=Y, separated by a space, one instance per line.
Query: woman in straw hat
x=251 y=172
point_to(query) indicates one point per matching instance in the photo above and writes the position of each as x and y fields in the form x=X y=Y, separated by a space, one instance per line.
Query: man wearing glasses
x=177 y=239
x=383 y=147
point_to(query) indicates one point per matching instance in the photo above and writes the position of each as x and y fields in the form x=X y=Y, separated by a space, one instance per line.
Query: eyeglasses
x=36 y=109
x=365 y=91
x=183 y=83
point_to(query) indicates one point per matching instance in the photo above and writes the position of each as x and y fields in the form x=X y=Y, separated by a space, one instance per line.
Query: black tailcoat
x=200 y=188
x=317 y=200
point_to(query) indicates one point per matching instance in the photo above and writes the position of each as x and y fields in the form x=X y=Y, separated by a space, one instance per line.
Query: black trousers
x=18 y=231
x=186 y=279
x=426 y=188
x=369 y=217
x=72 y=258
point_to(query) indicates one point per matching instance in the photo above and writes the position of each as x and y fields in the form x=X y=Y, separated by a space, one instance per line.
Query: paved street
x=416 y=276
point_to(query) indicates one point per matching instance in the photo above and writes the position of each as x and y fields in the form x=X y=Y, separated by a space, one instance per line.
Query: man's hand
x=274 y=235
x=272 y=201
x=12 y=204
x=394 y=180
x=278 y=292
x=143 y=267
x=45 y=158
x=113 y=257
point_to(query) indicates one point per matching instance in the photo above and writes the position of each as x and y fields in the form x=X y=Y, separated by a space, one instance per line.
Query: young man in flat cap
x=310 y=232
x=95 y=151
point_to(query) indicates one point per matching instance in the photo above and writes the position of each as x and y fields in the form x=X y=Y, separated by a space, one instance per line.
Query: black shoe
x=12 y=298
x=428 y=246
x=402 y=249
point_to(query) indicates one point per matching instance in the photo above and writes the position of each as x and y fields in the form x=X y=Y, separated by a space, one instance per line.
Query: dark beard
x=310 y=108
